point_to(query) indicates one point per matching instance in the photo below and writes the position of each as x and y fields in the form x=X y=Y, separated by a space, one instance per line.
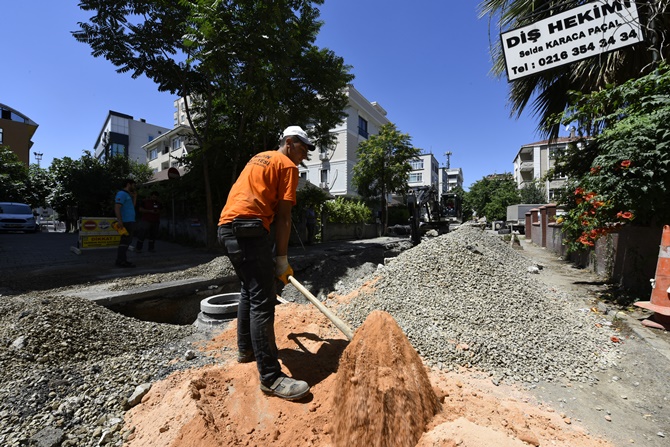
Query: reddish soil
x=381 y=395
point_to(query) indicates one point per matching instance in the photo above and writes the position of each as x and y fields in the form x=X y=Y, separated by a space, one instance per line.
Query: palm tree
x=549 y=90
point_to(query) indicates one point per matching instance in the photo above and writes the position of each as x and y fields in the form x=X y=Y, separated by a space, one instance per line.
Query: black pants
x=253 y=260
x=147 y=230
x=125 y=242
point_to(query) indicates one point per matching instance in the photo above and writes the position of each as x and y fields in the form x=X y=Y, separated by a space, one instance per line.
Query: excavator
x=429 y=210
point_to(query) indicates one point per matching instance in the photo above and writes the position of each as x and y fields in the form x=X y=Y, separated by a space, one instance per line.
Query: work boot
x=124 y=264
x=245 y=356
x=286 y=388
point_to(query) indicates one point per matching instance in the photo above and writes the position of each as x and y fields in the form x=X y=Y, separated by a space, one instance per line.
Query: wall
x=626 y=258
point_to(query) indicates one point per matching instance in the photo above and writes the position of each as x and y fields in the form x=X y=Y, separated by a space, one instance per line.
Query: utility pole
x=38 y=157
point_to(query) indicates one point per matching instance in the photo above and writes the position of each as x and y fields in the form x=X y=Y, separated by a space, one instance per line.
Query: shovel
x=341 y=325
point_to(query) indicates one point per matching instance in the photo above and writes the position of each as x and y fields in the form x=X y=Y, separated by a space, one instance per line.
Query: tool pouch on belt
x=248 y=228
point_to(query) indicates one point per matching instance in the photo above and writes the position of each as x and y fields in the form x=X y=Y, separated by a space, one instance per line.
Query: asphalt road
x=46 y=260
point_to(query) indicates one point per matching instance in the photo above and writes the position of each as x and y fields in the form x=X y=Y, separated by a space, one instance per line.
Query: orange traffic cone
x=660 y=295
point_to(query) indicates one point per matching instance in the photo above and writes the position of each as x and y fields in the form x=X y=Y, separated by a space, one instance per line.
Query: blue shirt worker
x=124 y=209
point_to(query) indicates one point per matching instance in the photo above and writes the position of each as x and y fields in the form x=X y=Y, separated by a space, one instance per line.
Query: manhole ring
x=225 y=303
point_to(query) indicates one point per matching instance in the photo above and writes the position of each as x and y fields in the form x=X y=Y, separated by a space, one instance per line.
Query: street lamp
x=38 y=157
x=446 y=172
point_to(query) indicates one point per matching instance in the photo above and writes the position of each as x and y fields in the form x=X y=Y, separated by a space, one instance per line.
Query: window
x=1 y=137
x=117 y=149
x=149 y=138
x=362 y=127
x=416 y=164
x=555 y=152
x=176 y=143
x=119 y=125
x=415 y=177
x=324 y=176
x=153 y=154
x=303 y=175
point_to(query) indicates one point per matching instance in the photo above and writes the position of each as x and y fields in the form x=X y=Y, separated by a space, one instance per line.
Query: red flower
x=579 y=191
x=625 y=164
x=595 y=170
x=627 y=215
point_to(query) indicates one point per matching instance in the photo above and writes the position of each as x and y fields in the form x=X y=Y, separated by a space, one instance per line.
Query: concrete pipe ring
x=225 y=303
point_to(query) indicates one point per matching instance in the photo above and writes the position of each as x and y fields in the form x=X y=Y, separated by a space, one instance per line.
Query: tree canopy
x=383 y=165
x=623 y=174
x=490 y=196
x=248 y=69
x=13 y=177
x=548 y=91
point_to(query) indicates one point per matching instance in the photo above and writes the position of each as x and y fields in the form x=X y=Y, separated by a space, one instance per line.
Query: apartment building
x=534 y=160
x=451 y=178
x=123 y=135
x=425 y=172
x=168 y=151
x=332 y=168
x=16 y=131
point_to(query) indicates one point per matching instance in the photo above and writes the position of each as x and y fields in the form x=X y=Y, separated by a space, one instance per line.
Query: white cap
x=296 y=131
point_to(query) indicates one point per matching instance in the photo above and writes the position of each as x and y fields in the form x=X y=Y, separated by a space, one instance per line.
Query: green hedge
x=345 y=211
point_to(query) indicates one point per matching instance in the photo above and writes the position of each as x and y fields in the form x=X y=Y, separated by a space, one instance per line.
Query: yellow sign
x=99 y=241
x=97 y=232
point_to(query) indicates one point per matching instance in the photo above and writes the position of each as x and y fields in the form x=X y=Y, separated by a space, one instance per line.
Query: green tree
x=14 y=178
x=532 y=192
x=490 y=196
x=89 y=184
x=40 y=182
x=248 y=68
x=549 y=90
x=627 y=179
x=383 y=166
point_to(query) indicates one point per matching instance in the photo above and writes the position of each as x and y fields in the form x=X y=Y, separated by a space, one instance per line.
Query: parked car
x=17 y=217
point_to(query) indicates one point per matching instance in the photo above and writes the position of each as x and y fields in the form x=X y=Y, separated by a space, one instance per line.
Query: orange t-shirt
x=268 y=178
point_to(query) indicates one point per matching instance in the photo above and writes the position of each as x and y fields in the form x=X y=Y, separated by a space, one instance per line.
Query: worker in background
x=151 y=219
x=264 y=194
x=311 y=224
x=124 y=209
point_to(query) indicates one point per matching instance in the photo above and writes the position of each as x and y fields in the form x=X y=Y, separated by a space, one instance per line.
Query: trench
x=179 y=309
x=319 y=273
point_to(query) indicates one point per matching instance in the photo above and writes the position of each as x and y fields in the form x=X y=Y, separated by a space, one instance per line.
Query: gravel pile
x=68 y=368
x=469 y=299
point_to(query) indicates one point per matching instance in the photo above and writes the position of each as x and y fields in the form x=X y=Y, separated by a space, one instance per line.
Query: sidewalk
x=45 y=260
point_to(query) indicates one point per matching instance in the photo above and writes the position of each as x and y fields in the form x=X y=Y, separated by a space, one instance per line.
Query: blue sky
x=426 y=62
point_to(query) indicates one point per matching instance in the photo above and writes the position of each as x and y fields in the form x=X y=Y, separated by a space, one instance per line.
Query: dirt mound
x=384 y=396
x=223 y=405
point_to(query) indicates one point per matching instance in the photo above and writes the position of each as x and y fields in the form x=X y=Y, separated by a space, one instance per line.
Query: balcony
x=526 y=166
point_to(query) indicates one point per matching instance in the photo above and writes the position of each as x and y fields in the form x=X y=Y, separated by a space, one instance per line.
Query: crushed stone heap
x=385 y=398
x=467 y=298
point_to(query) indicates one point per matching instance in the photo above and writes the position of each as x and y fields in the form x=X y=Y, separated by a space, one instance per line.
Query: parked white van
x=17 y=217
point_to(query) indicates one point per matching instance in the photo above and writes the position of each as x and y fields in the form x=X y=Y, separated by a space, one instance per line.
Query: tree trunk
x=210 y=228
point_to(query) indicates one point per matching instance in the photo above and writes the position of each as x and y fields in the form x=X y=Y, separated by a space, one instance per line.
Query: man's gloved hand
x=282 y=269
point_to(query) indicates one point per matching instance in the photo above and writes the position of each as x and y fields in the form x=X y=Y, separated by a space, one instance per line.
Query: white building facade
x=168 y=151
x=534 y=160
x=332 y=168
x=451 y=178
x=123 y=135
x=425 y=172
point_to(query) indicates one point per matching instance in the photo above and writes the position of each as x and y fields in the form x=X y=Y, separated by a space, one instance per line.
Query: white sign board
x=586 y=31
